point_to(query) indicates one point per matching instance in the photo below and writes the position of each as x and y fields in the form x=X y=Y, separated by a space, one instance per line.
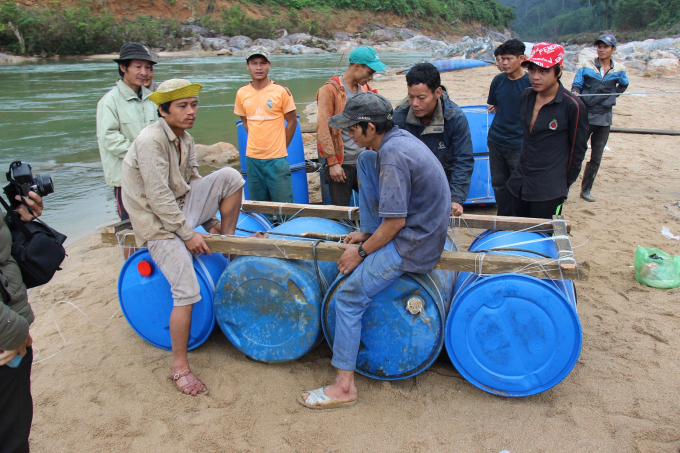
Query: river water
x=47 y=113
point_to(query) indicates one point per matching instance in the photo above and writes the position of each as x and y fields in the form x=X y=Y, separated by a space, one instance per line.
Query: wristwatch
x=362 y=252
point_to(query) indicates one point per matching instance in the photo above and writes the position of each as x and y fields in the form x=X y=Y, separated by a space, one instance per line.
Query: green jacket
x=16 y=314
x=121 y=115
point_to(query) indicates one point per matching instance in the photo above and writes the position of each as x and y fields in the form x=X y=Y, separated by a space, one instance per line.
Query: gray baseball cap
x=257 y=50
x=368 y=107
x=608 y=39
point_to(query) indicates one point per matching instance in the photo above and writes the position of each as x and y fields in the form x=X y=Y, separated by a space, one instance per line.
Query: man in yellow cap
x=166 y=199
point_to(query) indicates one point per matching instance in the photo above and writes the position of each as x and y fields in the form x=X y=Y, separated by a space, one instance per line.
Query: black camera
x=21 y=181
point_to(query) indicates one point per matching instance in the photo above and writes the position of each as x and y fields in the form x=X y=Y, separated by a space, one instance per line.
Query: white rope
x=54 y=317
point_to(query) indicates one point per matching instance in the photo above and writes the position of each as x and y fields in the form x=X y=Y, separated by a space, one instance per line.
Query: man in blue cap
x=404 y=209
x=334 y=145
x=600 y=76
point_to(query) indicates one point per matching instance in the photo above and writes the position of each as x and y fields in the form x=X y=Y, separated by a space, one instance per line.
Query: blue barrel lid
x=146 y=301
x=396 y=344
x=513 y=335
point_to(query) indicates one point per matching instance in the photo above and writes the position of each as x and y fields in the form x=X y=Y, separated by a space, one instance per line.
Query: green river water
x=47 y=113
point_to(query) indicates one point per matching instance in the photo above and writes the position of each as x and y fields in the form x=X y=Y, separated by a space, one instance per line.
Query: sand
x=108 y=389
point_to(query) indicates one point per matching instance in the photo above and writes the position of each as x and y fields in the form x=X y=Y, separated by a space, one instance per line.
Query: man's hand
x=34 y=201
x=337 y=173
x=350 y=259
x=492 y=108
x=356 y=237
x=197 y=245
x=456 y=209
x=7 y=356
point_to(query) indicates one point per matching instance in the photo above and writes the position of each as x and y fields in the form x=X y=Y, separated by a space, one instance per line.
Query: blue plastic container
x=512 y=334
x=146 y=301
x=246 y=223
x=402 y=331
x=269 y=308
x=296 y=160
x=481 y=191
x=456 y=64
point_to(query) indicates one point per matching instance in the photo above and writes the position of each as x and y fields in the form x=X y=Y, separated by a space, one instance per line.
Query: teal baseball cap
x=368 y=56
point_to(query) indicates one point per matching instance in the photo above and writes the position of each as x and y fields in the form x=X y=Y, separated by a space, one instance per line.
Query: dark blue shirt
x=504 y=93
x=413 y=185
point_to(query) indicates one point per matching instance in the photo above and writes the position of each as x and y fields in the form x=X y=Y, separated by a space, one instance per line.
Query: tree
x=13 y=18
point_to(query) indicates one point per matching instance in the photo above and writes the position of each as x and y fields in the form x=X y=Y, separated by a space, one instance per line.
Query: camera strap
x=16 y=220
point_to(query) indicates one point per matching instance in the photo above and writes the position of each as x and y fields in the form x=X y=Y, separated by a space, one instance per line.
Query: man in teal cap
x=334 y=145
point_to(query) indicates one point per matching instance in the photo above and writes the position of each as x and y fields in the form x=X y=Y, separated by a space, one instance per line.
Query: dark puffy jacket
x=448 y=136
x=15 y=314
x=589 y=81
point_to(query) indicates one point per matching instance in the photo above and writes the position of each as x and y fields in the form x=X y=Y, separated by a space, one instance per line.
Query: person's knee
x=367 y=157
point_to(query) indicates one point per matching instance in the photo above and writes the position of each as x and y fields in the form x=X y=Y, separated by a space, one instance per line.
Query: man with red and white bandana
x=555 y=127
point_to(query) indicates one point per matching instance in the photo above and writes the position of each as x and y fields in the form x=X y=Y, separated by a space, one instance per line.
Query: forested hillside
x=99 y=26
x=560 y=19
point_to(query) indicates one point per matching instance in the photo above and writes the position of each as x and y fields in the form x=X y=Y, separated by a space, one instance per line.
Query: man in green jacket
x=16 y=356
x=123 y=112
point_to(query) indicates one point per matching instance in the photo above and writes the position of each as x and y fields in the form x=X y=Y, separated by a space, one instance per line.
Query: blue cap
x=608 y=39
x=368 y=56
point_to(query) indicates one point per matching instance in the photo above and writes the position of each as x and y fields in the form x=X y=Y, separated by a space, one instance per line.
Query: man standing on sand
x=335 y=145
x=555 y=129
x=263 y=105
x=123 y=112
x=599 y=76
x=404 y=212
x=505 y=134
x=167 y=199
x=437 y=121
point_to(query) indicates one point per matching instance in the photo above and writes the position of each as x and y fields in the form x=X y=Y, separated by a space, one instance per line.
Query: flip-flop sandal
x=186 y=382
x=318 y=400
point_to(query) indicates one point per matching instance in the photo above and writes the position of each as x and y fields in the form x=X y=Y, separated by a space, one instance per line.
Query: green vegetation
x=559 y=20
x=86 y=29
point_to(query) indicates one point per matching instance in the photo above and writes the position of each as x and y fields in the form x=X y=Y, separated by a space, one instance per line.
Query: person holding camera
x=16 y=356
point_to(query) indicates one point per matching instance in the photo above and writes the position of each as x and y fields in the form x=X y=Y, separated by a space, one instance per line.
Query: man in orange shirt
x=263 y=105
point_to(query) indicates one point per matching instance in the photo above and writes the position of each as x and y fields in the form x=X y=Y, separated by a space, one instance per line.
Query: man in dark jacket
x=430 y=115
x=599 y=77
x=555 y=129
x=16 y=356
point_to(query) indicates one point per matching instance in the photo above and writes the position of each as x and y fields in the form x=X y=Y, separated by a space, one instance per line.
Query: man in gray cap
x=123 y=112
x=600 y=76
x=405 y=203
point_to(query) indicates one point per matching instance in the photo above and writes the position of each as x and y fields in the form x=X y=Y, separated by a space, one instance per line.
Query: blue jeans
x=377 y=272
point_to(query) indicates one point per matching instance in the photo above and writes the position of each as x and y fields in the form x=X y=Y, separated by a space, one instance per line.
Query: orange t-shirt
x=264 y=110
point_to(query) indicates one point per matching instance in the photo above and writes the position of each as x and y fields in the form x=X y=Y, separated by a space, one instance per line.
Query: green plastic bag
x=656 y=268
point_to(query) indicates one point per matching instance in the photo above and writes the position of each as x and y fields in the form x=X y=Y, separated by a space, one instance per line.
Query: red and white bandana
x=546 y=55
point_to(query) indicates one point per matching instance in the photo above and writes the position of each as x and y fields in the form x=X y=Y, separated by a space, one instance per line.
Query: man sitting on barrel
x=405 y=204
x=166 y=199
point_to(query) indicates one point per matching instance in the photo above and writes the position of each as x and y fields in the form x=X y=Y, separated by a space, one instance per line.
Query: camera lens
x=45 y=184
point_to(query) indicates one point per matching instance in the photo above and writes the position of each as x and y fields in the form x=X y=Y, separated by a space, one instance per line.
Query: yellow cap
x=174 y=89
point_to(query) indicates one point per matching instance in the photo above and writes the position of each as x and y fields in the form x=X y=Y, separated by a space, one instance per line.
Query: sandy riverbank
x=108 y=390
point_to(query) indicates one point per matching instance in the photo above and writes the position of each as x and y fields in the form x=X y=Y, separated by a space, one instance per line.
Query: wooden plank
x=329 y=251
x=308 y=128
x=644 y=131
x=565 y=254
x=119 y=226
x=350 y=213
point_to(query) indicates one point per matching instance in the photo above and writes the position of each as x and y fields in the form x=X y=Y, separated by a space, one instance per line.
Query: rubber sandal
x=318 y=400
x=187 y=383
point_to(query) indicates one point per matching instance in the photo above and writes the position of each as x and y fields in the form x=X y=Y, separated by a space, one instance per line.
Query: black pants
x=122 y=213
x=516 y=207
x=341 y=192
x=598 y=140
x=502 y=162
x=16 y=406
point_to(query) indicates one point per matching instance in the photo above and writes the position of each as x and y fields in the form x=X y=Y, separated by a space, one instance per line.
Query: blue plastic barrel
x=269 y=308
x=512 y=334
x=481 y=191
x=296 y=160
x=246 y=223
x=402 y=331
x=146 y=300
